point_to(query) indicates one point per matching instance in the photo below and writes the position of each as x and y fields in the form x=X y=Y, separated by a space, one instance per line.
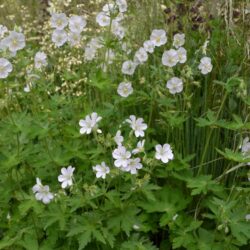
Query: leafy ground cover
x=124 y=125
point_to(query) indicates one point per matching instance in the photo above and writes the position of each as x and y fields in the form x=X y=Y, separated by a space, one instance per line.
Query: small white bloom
x=170 y=58
x=40 y=60
x=37 y=186
x=5 y=68
x=89 y=53
x=139 y=148
x=66 y=176
x=175 y=85
x=122 y=5
x=175 y=217
x=74 y=38
x=125 y=89
x=90 y=123
x=179 y=40
x=118 y=138
x=164 y=153
x=26 y=88
x=101 y=170
x=247 y=217
x=133 y=165
x=158 y=37
x=59 y=37
x=96 y=42
x=136 y=227
x=3 y=30
x=103 y=19
x=15 y=41
x=137 y=125
x=149 y=46
x=108 y=8
x=141 y=55
x=117 y=30
x=245 y=148
x=121 y=156
x=205 y=65
x=128 y=67
x=58 y=21
x=182 y=55
x=42 y=193
x=77 y=24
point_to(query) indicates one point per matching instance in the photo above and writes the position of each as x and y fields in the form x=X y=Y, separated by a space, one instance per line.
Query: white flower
x=117 y=30
x=89 y=53
x=59 y=37
x=245 y=148
x=66 y=176
x=3 y=30
x=108 y=8
x=59 y=21
x=158 y=37
x=164 y=153
x=90 y=123
x=122 y=5
x=15 y=41
x=121 y=156
x=42 y=193
x=247 y=217
x=205 y=65
x=40 y=60
x=179 y=40
x=101 y=170
x=26 y=88
x=149 y=46
x=103 y=19
x=139 y=148
x=141 y=55
x=182 y=55
x=74 y=38
x=96 y=42
x=125 y=89
x=170 y=58
x=128 y=67
x=5 y=68
x=77 y=24
x=137 y=125
x=133 y=165
x=175 y=85
x=37 y=186
x=118 y=138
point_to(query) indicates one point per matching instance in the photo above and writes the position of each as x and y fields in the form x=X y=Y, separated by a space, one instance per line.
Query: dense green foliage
x=198 y=201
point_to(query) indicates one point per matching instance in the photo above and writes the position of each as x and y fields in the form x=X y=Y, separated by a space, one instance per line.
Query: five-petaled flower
x=164 y=153
x=90 y=123
x=137 y=125
x=66 y=177
x=121 y=156
x=101 y=170
x=42 y=193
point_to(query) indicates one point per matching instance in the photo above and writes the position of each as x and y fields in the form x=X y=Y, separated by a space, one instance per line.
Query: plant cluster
x=113 y=136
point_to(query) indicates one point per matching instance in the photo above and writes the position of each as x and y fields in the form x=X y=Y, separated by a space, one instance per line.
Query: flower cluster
x=10 y=42
x=42 y=193
x=76 y=24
